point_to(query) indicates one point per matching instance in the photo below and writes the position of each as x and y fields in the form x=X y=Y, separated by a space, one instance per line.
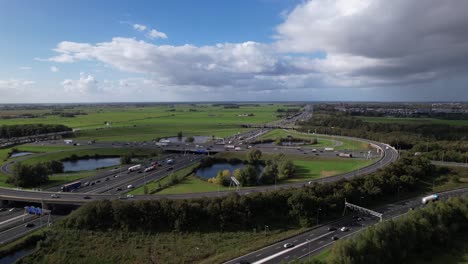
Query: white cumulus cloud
x=54 y=69
x=84 y=85
x=154 y=34
x=139 y=27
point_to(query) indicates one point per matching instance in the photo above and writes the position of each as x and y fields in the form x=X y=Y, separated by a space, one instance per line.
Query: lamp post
x=318 y=210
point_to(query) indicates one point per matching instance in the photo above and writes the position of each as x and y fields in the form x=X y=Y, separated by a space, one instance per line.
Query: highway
x=388 y=156
x=320 y=238
x=20 y=229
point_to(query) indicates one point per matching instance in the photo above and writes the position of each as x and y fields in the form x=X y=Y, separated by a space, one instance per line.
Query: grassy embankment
x=66 y=246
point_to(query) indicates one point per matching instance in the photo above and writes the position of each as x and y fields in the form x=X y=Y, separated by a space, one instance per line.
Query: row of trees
x=25 y=175
x=12 y=131
x=420 y=234
x=290 y=207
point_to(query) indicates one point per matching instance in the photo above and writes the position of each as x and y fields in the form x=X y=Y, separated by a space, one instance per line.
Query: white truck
x=237 y=148
x=430 y=198
x=229 y=146
x=328 y=149
x=134 y=168
x=345 y=155
x=68 y=141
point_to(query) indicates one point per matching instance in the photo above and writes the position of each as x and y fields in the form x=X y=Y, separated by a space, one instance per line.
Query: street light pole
x=318 y=210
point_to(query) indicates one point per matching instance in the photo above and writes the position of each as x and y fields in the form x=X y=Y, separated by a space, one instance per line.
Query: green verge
x=323 y=140
x=153 y=186
x=69 y=246
x=193 y=184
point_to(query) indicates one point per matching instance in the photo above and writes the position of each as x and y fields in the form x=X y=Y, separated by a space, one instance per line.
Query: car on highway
x=11 y=209
x=54 y=195
x=130 y=195
x=29 y=225
x=86 y=197
x=288 y=245
x=119 y=189
x=335 y=238
x=170 y=168
x=344 y=229
x=130 y=186
x=331 y=228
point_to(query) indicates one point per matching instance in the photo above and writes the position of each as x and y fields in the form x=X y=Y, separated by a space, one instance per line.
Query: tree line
x=12 y=131
x=421 y=234
x=399 y=135
x=277 y=209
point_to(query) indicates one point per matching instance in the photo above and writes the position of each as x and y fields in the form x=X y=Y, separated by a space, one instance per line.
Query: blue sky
x=90 y=51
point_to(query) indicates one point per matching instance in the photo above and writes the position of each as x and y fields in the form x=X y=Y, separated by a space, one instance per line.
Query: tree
x=190 y=139
x=55 y=166
x=125 y=159
x=248 y=176
x=29 y=175
x=254 y=155
x=179 y=134
x=270 y=173
x=286 y=169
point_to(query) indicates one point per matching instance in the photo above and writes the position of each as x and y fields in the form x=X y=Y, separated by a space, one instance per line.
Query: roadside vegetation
x=446 y=141
x=421 y=234
x=66 y=246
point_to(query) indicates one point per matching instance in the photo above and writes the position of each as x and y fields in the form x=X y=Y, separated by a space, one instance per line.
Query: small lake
x=8 y=259
x=20 y=154
x=198 y=139
x=212 y=171
x=89 y=164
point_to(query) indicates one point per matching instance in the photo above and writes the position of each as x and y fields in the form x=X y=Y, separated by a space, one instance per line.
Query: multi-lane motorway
x=317 y=239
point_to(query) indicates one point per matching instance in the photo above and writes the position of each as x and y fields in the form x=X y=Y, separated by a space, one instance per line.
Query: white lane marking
x=295 y=241
x=258 y=255
x=277 y=247
x=320 y=242
x=13 y=219
x=289 y=249
x=311 y=235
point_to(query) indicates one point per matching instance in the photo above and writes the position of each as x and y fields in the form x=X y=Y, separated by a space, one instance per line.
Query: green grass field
x=78 y=246
x=146 y=123
x=406 y=120
x=193 y=184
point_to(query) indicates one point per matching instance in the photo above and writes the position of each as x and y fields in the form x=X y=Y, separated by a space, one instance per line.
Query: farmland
x=138 y=123
x=411 y=120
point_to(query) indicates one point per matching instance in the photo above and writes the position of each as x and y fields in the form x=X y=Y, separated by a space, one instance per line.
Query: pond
x=8 y=259
x=20 y=154
x=89 y=164
x=198 y=139
x=212 y=171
